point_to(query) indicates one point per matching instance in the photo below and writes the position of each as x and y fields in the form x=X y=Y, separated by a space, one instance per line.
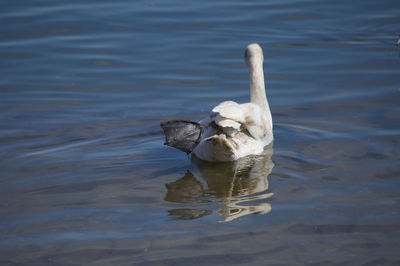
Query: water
x=85 y=178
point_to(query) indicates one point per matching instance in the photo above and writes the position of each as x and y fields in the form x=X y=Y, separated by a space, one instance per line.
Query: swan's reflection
x=239 y=186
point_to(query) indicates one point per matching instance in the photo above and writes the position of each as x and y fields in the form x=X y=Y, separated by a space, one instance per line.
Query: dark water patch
x=75 y=188
x=343 y=228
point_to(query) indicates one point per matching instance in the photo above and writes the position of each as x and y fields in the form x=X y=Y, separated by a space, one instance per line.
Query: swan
x=232 y=130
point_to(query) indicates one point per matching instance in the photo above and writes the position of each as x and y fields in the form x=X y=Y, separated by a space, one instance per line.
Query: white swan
x=232 y=130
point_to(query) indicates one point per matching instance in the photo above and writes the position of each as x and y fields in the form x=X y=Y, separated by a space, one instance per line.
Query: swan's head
x=253 y=55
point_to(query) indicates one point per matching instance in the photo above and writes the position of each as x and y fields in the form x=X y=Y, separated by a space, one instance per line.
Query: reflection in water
x=238 y=186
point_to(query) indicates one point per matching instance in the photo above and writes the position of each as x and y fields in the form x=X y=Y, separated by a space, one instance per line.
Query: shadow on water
x=239 y=186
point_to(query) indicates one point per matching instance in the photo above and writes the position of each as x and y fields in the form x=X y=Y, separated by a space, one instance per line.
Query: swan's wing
x=233 y=117
x=228 y=116
x=227 y=109
x=256 y=121
x=225 y=122
x=230 y=110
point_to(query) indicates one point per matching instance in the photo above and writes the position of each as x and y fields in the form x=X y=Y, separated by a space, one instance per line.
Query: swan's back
x=234 y=131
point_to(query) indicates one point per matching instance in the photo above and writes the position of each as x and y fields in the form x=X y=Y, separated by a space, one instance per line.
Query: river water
x=85 y=178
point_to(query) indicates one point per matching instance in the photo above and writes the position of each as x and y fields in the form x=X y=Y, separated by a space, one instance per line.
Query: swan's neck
x=257 y=87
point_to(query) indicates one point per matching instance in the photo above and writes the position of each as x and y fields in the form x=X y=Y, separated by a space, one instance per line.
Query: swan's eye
x=246 y=53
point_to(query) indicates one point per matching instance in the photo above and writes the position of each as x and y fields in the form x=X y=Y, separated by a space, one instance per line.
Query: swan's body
x=232 y=130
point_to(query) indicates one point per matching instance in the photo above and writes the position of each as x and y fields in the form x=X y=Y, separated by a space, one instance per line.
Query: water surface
x=85 y=177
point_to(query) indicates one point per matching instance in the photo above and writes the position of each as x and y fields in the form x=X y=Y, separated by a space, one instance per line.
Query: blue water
x=84 y=175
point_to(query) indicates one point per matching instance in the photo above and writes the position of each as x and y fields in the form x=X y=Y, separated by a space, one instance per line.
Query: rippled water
x=85 y=177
